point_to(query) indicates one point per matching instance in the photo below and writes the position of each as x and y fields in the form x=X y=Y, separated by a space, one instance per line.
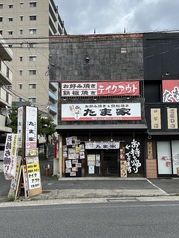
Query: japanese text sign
x=10 y=156
x=101 y=111
x=170 y=90
x=91 y=89
x=33 y=171
x=31 y=127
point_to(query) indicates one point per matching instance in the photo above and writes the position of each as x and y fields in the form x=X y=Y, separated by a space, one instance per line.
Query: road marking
x=157 y=187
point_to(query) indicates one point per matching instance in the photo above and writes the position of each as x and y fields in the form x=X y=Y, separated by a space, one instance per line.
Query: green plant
x=10 y=198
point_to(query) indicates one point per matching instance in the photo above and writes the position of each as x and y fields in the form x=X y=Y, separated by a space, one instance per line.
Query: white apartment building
x=6 y=55
x=26 y=26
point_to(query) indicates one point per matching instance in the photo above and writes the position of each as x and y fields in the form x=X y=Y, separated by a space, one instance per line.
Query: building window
x=20 y=99
x=1 y=6
x=123 y=50
x=20 y=72
x=20 y=58
x=20 y=86
x=10 y=6
x=0 y=32
x=32 y=86
x=21 y=4
x=32 y=45
x=10 y=33
x=32 y=31
x=21 y=32
x=33 y=4
x=32 y=58
x=10 y=19
x=7 y=72
x=1 y=19
x=32 y=99
x=33 y=18
x=10 y=46
x=21 y=18
x=32 y=72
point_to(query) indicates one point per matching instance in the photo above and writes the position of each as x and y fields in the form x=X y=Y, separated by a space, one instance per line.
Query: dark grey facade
x=101 y=58
x=161 y=79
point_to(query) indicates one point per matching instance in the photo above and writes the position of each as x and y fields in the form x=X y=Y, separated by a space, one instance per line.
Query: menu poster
x=33 y=171
x=91 y=169
x=68 y=164
x=82 y=155
x=82 y=147
x=97 y=160
x=91 y=160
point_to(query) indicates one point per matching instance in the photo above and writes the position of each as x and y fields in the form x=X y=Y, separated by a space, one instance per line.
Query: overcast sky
x=113 y=16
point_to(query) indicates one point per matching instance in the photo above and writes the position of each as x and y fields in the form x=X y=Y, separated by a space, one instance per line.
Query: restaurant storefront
x=102 y=152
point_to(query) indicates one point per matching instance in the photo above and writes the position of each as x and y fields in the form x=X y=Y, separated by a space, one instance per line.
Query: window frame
x=33 y=16
x=10 y=33
x=32 y=72
x=32 y=86
x=33 y=57
x=32 y=4
x=32 y=31
x=32 y=100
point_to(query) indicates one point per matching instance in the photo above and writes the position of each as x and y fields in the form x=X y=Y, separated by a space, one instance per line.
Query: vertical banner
x=149 y=150
x=31 y=128
x=15 y=179
x=20 y=126
x=10 y=156
x=155 y=114
x=172 y=118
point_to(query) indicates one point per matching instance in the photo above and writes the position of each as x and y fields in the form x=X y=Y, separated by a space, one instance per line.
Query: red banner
x=170 y=90
x=92 y=89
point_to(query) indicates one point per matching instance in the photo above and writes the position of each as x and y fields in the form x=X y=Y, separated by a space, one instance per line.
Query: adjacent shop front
x=164 y=132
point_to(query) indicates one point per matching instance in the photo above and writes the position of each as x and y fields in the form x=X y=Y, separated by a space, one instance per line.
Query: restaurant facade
x=102 y=127
x=118 y=104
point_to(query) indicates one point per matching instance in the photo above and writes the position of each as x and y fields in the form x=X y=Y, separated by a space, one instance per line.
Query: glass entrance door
x=110 y=163
x=175 y=155
x=168 y=157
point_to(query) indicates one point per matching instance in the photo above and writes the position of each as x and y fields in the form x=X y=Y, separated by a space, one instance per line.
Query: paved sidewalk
x=98 y=187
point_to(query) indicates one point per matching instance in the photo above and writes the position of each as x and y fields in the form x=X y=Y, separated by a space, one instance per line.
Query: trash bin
x=47 y=171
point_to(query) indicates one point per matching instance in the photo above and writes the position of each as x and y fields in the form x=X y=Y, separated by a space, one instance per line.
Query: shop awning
x=102 y=127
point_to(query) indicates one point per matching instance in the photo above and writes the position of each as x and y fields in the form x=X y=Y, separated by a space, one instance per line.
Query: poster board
x=33 y=175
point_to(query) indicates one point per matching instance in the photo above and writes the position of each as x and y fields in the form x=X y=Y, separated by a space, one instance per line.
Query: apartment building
x=5 y=94
x=26 y=26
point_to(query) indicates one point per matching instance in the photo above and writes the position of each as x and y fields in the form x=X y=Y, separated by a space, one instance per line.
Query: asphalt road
x=108 y=220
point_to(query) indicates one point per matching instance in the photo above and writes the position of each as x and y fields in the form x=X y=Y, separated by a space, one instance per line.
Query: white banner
x=10 y=156
x=101 y=111
x=102 y=145
x=31 y=127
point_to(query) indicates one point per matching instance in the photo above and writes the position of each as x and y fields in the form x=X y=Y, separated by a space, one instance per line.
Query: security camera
x=87 y=59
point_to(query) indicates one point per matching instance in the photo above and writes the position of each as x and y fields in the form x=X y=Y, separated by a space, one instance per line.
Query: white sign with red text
x=92 y=89
x=101 y=111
